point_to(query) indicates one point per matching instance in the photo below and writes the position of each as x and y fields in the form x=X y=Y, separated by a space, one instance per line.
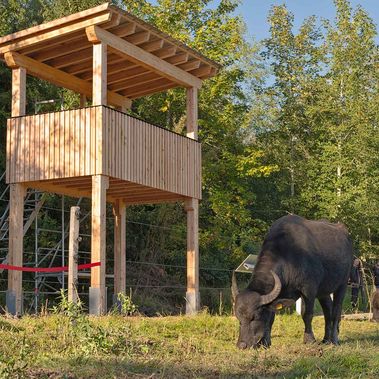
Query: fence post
x=73 y=247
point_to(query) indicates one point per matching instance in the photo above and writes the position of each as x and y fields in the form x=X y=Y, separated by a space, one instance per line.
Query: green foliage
x=124 y=305
x=288 y=125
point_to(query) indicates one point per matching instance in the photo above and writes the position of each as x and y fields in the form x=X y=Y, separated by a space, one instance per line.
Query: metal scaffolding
x=46 y=246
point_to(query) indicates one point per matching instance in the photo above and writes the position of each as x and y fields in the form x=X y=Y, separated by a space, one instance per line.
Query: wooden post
x=99 y=85
x=83 y=101
x=16 y=217
x=119 y=211
x=18 y=91
x=192 y=113
x=14 y=299
x=97 y=292
x=73 y=247
x=193 y=294
x=192 y=209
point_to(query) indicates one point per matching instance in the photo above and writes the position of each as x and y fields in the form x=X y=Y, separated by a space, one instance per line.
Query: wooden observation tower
x=100 y=152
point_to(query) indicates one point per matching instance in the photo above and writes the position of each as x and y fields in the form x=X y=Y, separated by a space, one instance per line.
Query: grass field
x=58 y=346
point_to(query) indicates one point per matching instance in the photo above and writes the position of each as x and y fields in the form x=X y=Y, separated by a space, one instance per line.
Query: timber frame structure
x=100 y=152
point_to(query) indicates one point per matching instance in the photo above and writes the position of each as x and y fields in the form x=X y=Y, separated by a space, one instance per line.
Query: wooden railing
x=101 y=140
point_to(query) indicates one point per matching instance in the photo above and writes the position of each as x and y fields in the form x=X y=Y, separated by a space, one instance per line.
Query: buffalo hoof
x=309 y=338
x=242 y=345
x=326 y=341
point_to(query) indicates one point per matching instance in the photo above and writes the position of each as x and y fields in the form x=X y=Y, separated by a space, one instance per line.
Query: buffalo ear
x=279 y=304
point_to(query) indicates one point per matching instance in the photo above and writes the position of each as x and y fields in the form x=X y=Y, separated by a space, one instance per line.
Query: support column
x=99 y=85
x=119 y=211
x=14 y=299
x=73 y=248
x=193 y=293
x=97 y=291
x=192 y=209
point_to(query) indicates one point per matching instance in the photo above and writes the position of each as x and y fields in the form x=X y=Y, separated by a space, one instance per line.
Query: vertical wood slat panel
x=101 y=140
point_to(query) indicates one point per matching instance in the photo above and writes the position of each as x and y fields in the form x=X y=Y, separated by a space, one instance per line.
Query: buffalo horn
x=266 y=299
x=235 y=290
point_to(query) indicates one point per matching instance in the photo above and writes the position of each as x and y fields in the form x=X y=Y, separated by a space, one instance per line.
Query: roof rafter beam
x=55 y=33
x=142 y=57
x=59 y=78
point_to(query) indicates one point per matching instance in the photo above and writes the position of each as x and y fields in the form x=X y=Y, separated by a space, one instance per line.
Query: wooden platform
x=58 y=152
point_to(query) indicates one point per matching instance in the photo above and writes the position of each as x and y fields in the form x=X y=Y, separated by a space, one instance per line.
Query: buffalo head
x=256 y=313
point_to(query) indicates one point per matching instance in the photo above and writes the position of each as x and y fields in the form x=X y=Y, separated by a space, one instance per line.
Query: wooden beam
x=119 y=211
x=124 y=30
x=166 y=52
x=152 y=46
x=18 y=91
x=45 y=37
x=128 y=83
x=151 y=91
x=58 y=48
x=155 y=84
x=129 y=73
x=58 y=77
x=55 y=23
x=192 y=113
x=99 y=81
x=16 y=248
x=193 y=294
x=191 y=65
x=178 y=58
x=142 y=57
x=97 y=297
x=138 y=38
x=73 y=249
x=70 y=59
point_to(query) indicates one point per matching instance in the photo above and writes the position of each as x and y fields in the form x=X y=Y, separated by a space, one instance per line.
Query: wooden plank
x=73 y=250
x=142 y=57
x=88 y=142
x=49 y=35
x=58 y=77
x=98 y=241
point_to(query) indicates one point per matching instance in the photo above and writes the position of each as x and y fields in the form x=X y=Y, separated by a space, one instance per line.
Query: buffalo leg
x=307 y=318
x=336 y=313
x=327 y=307
x=266 y=340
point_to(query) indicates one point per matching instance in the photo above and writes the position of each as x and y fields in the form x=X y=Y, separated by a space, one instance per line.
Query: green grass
x=178 y=347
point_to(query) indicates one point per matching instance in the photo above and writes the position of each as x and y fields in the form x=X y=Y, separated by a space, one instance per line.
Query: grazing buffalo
x=299 y=258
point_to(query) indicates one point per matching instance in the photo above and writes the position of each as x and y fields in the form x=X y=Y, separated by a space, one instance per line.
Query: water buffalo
x=299 y=258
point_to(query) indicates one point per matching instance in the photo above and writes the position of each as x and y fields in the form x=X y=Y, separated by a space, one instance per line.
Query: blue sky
x=255 y=12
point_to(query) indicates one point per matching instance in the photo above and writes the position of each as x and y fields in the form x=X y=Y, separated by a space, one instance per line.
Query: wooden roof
x=141 y=59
